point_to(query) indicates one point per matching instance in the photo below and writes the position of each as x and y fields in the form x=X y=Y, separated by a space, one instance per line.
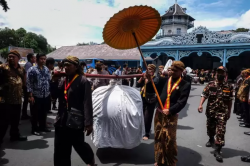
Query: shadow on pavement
x=188 y=157
x=183 y=112
x=229 y=153
x=180 y=127
x=27 y=145
x=141 y=155
x=192 y=88
x=3 y=161
x=144 y=155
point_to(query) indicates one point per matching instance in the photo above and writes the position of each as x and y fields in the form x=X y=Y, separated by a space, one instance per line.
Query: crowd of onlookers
x=37 y=83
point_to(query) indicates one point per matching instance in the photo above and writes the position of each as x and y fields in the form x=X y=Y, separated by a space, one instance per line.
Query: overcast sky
x=68 y=22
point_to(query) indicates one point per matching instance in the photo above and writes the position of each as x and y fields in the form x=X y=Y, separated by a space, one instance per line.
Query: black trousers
x=39 y=113
x=246 y=112
x=148 y=112
x=25 y=102
x=9 y=115
x=65 y=138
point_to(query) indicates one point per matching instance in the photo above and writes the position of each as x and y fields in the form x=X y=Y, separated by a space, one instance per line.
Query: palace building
x=200 y=48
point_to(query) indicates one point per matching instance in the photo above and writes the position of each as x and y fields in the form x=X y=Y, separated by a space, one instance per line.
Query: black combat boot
x=210 y=142
x=217 y=153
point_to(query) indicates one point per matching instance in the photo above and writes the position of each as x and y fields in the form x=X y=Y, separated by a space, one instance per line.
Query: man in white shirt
x=118 y=71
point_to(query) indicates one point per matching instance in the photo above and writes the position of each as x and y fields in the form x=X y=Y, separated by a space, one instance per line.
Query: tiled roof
x=22 y=51
x=177 y=10
x=102 y=51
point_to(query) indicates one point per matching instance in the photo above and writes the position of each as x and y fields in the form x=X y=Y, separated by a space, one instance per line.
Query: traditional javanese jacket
x=178 y=98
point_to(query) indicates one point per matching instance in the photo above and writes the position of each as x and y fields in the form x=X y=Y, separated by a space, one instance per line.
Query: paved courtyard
x=191 y=139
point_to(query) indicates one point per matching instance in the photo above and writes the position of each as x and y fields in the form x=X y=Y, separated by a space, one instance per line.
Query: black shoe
x=242 y=123
x=210 y=143
x=218 y=156
x=247 y=133
x=18 y=138
x=35 y=133
x=245 y=125
x=50 y=112
x=25 y=117
x=241 y=120
x=239 y=117
x=245 y=158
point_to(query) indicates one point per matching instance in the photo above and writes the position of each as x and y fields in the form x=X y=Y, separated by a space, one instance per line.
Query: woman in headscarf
x=97 y=82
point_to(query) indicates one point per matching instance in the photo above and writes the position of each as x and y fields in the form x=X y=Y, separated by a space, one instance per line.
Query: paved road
x=191 y=137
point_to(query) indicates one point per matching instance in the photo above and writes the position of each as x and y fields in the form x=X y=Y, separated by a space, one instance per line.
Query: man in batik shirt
x=12 y=81
x=220 y=95
x=38 y=88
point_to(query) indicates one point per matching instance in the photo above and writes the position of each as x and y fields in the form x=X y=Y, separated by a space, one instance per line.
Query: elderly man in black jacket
x=174 y=97
x=75 y=115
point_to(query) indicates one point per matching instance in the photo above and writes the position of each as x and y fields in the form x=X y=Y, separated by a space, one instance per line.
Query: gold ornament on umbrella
x=133 y=27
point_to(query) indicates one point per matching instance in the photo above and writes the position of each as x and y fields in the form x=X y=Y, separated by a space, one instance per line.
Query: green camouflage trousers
x=216 y=126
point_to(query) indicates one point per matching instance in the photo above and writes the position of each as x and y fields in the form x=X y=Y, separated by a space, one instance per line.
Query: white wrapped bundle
x=118 y=117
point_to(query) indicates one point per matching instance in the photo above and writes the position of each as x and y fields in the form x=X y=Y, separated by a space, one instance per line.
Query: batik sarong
x=165 y=139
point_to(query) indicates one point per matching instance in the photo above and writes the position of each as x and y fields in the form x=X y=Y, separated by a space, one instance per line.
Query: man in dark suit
x=174 y=97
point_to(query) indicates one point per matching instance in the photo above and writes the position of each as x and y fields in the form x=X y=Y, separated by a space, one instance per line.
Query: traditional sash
x=67 y=87
x=144 y=88
x=169 y=91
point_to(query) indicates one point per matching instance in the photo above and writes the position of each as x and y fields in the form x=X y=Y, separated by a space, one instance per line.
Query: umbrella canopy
x=144 y=21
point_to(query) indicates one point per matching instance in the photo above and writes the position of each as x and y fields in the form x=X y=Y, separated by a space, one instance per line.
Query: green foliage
x=4 y=52
x=4 y=4
x=22 y=38
x=241 y=30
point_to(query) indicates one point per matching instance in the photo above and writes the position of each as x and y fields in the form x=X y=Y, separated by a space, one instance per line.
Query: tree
x=22 y=38
x=8 y=37
x=50 y=48
x=241 y=30
x=4 y=4
x=82 y=44
x=21 y=32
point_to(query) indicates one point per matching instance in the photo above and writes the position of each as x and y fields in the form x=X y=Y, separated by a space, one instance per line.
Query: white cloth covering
x=118 y=117
x=168 y=64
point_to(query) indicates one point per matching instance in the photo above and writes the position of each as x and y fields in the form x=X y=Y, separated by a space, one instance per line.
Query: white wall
x=173 y=28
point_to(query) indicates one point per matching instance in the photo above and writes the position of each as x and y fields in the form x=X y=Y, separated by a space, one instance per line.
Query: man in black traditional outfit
x=174 y=97
x=149 y=97
x=75 y=115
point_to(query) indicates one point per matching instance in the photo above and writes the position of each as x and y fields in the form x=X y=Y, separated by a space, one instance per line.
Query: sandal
x=145 y=138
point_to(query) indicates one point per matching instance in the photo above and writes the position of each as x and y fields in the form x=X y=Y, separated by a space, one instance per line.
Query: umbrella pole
x=156 y=92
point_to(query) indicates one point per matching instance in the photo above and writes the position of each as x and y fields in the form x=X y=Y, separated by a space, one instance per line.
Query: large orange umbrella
x=132 y=27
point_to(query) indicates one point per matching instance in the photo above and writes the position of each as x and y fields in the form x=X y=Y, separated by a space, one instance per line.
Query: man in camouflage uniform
x=219 y=94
